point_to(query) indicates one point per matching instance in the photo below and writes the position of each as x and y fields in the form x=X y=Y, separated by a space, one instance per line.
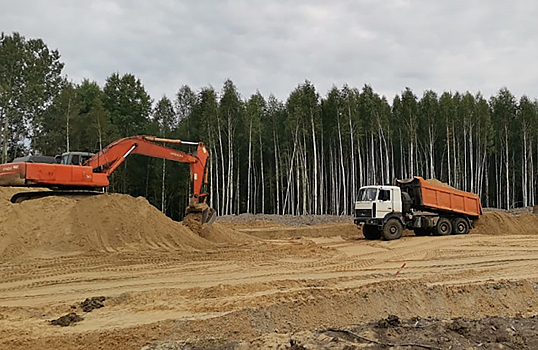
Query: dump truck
x=425 y=207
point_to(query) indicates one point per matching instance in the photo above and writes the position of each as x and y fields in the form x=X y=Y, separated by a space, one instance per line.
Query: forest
x=308 y=154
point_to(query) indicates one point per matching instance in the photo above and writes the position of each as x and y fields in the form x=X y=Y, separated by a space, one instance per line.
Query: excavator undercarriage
x=24 y=196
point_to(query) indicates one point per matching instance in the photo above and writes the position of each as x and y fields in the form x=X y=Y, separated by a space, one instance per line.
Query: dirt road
x=241 y=281
x=145 y=290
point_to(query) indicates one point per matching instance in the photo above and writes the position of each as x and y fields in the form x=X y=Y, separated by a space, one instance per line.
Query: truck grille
x=363 y=213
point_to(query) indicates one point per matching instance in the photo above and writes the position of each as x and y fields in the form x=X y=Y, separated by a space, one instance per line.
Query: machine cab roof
x=370 y=193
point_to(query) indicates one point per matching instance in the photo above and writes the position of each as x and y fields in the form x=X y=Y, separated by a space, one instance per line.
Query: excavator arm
x=113 y=155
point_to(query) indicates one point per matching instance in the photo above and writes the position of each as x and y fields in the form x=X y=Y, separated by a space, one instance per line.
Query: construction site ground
x=256 y=281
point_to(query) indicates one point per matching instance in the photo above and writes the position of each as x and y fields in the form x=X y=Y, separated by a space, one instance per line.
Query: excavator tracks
x=24 y=196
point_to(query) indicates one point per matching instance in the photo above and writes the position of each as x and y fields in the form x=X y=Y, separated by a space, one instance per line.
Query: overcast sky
x=274 y=45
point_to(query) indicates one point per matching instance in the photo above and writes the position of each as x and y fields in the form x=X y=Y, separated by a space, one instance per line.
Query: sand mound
x=502 y=223
x=216 y=232
x=438 y=183
x=106 y=223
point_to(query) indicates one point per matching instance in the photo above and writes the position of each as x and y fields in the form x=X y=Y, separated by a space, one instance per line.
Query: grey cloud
x=273 y=46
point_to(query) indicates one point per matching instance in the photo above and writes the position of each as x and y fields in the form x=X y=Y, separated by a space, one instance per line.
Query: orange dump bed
x=429 y=196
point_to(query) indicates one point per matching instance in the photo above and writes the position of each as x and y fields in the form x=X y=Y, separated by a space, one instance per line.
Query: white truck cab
x=376 y=202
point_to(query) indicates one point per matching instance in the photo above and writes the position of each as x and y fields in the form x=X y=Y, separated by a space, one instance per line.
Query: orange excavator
x=75 y=174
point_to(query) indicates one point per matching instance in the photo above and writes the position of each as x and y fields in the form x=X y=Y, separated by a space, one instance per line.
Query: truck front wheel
x=460 y=226
x=443 y=227
x=392 y=230
x=371 y=232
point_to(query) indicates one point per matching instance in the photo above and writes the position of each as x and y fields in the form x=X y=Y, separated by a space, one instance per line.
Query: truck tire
x=392 y=230
x=423 y=232
x=460 y=226
x=443 y=227
x=371 y=232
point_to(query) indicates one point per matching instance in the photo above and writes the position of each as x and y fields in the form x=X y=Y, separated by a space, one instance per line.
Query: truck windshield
x=367 y=194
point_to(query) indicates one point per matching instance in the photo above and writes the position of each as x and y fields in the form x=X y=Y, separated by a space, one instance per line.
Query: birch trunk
x=449 y=161
x=314 y=143
x=343 y=174
x=262 y=175
x=506 y=164
x=290 y=173
x=352 y=148
x=229 y=203
x=249 y=165
x=6 y=137
x=163 y=187
x=277 y=174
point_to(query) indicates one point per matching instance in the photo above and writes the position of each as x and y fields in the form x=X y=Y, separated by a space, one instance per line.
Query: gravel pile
x=290 y=220
x=515 y=211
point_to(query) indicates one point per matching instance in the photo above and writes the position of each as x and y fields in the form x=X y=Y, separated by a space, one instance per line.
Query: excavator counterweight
x=85 y=174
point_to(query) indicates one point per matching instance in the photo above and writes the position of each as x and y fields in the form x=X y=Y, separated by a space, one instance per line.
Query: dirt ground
x=126 y=277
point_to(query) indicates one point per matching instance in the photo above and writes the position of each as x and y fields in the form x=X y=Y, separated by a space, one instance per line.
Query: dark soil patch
x=92 y=303
x=393 y=333
x=67 y=320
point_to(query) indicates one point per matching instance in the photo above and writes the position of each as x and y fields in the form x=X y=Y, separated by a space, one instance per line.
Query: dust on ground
x=254 y=281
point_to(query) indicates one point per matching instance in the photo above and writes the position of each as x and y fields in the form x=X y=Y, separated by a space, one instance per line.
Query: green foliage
x=128 y=103
x=475 y=144
x=30 y=79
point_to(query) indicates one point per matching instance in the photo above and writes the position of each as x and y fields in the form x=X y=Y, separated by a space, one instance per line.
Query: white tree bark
x=342 y=169
x=163 y=207
x=249 y=165
x=262 y=175
x=277 y=173
x=314 y=143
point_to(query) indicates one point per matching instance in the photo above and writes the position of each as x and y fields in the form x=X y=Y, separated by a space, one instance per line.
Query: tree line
x=308 y=154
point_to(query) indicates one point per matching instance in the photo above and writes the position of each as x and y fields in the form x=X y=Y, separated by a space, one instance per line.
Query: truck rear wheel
x=371 y=232
x=392 y=230
x=443 y=227
x=460 y=226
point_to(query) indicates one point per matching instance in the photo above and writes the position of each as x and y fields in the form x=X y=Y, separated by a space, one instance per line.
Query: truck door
x=384 y=203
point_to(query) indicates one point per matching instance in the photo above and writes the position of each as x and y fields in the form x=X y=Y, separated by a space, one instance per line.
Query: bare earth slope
x=244 y=284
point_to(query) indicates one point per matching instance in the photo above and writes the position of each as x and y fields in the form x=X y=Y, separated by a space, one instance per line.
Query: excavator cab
x=74 y=158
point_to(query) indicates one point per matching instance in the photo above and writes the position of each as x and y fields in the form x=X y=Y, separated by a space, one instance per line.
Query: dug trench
x=257 y=281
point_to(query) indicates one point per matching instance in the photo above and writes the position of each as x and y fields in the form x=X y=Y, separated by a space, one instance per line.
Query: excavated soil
x=256 y=281
x=55 y=226
x=438 y=183
x=392 y=333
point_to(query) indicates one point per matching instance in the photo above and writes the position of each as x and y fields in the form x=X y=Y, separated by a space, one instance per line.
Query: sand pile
x=105 y=223
x=503 y=223
x=216 y=232
x=438 y=183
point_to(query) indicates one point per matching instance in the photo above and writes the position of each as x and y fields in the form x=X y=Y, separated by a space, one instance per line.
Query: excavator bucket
x=208 y=214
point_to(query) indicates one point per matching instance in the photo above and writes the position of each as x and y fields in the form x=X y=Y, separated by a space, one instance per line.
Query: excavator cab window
x=84 y=158
x=75 y=159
